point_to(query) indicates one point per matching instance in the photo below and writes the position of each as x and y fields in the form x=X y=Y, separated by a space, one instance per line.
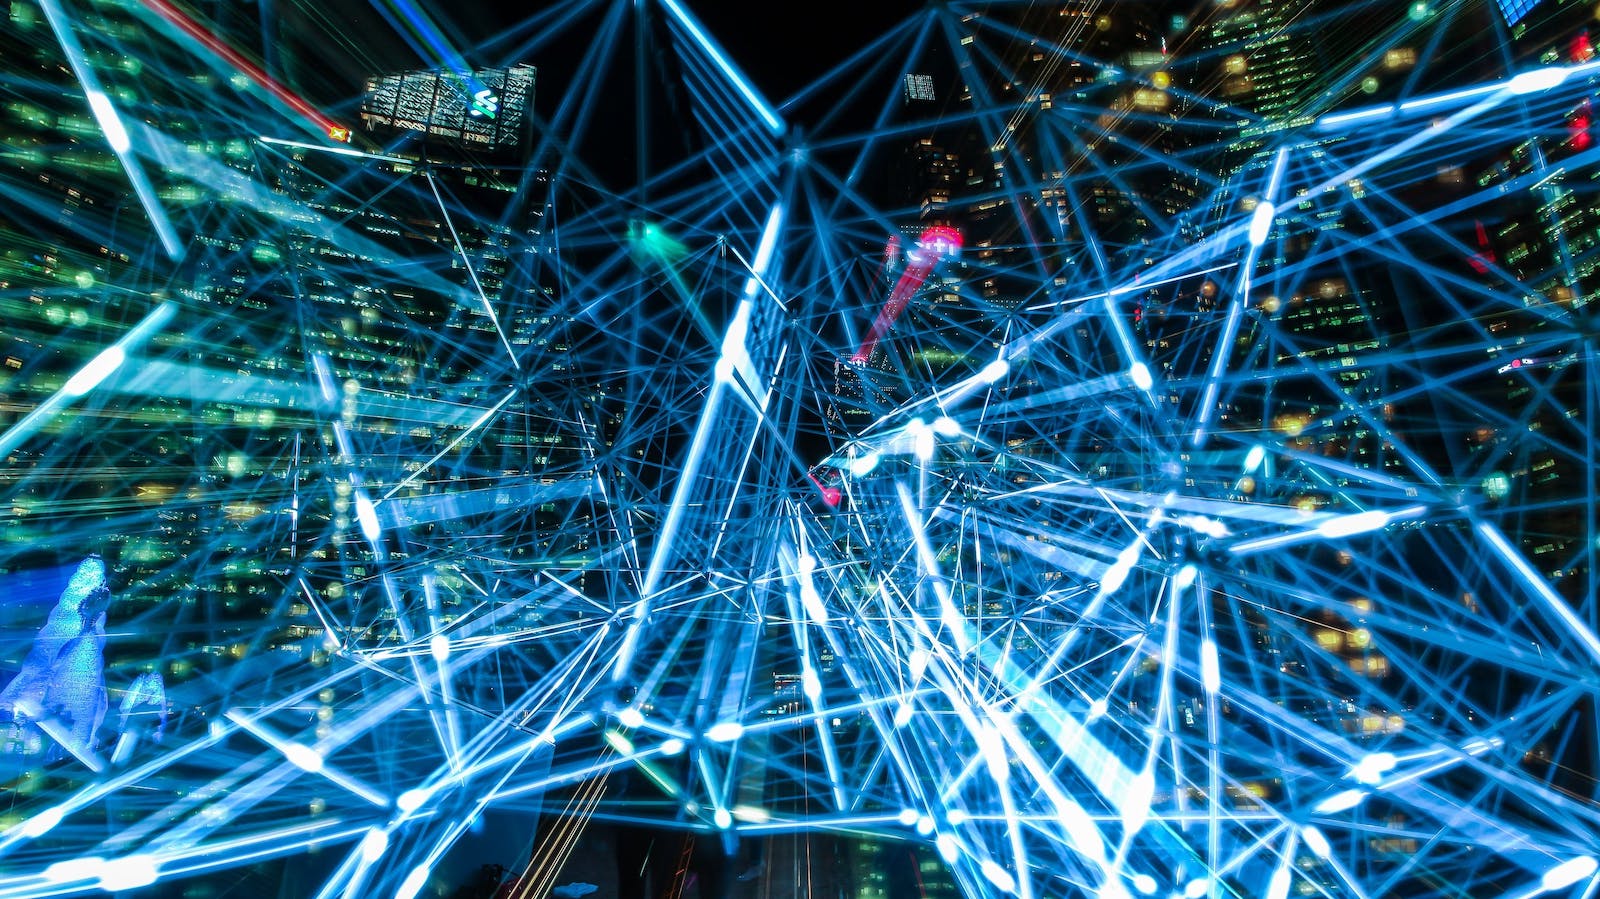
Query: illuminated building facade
x=486 y=107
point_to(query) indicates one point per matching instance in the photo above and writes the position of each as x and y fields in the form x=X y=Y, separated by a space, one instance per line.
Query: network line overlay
x=1121 y=455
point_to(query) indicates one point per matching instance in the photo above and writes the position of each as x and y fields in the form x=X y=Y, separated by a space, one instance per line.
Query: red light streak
x=934 y=244
x=250 y=70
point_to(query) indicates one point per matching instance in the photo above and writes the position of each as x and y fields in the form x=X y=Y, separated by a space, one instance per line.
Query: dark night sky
x=781 y=46
x=784 y=51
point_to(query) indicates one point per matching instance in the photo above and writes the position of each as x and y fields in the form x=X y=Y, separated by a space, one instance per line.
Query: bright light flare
x=1569 y=872
x=98 y=369
x=1278 y=887
x=367 y=516
x=373 y=845
x=1373 y=766
x=1350 y=525
x=439 y=648
x=110 y=123
x=414 y=882
x=994 y=371
x=1210 y=669
x=42 y=823
x=1316 y=841
x=1000 y=877
x=1341 y=801
x=1537 y=80
x=725 y=732
x=74 y=870
x=1254 y=458
x=303 y=757
x=1139 y=374
x=1261 y=223
x=411 y=800
x=128 y=873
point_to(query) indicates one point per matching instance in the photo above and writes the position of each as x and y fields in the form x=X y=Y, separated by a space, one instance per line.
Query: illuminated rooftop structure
x=1291 y=592
x=485 y=107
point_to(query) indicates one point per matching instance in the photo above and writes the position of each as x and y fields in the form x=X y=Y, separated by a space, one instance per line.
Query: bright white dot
x=1136 y=802
x=862 y=465
x=812 y=600
x=1118 y=571
x=303 y=757
x=957 y=817
x=924 y=825
x=922 y=439
x=902 y=715
x=110 y=122
x=1144 y=883
x=1338 y=802
x=1261 y=223
x=1185 y=577
x=1373 y=766
x=411 y=800
x=1537 y=80
x=1140 y=374
x=949 y=849
x=130 y=872
x=1359 y=523
x=1197 y=888
x=98 y=369
x=367 y=515
x=439 y=648
x=1204 y=524
x=945 y=426
x=810 y=684
x=1569 y=872
x=672 y=746
x=993 y=748
x=807 y=563
x=1082 y=830
x=42 y=823
x=994 y=371
x=1210 y=671
x=620 y=743
x=414 y=882
x=631 y=717
x=1098 y=708
x=1278 y=887
x=751 y=814
x=999 y=876
x=373 y=845
x=919 y=662
x=86 y=868
x=1316 y=842
x=908 y=816
x=1115 y=575
x=723 y=819
x=726 y=732
x=1254 y=458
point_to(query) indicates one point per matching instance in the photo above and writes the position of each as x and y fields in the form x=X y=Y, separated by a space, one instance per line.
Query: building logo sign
x=485 y=103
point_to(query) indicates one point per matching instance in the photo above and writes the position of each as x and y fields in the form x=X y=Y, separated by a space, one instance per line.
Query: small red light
x=1582 y=50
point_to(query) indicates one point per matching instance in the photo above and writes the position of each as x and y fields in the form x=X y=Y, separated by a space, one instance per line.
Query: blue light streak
x=741 y=85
